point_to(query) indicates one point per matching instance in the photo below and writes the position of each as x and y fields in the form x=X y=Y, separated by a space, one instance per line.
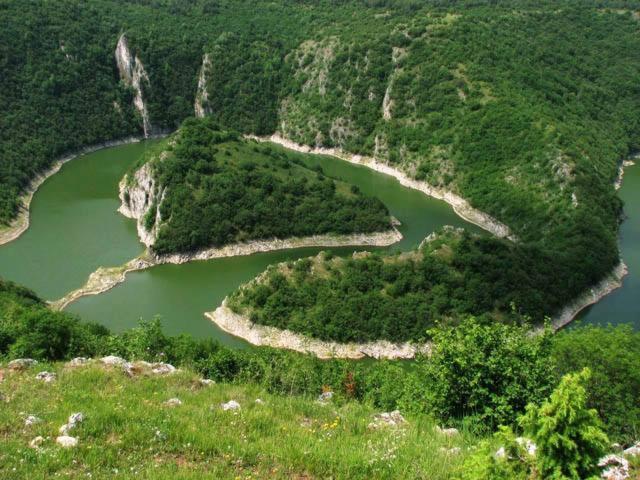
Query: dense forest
x=524 y=108
x=218 y=189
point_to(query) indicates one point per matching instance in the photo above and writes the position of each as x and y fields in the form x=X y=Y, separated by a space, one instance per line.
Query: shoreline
x=261 y=335
x=21 y=223
x=106 y=278
x=593 y=295
x=460 y=206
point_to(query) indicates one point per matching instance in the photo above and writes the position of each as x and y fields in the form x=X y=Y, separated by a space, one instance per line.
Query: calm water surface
x=75 y=228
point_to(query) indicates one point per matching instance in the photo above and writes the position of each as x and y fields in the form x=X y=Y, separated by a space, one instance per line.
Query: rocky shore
x=591 y=296
x=260 y=335
x=105 y=278
x=21 y=222
x=459 y=204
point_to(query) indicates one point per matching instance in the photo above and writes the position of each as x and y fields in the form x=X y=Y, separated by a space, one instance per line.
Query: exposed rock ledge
x=626 y=163
x=104 y=278
x=21 y=223
x=242 y=327
x=459 y=204
x=591 y=296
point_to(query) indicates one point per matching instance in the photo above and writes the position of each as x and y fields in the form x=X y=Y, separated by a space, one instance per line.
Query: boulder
x=615 y=467
x=46 y=377
x=173 y=402
x=231 y=405
x=205 y=382
x=163 y=368
x=20 y=364
x=114 y=361
x=73 y=420
x=67 y=442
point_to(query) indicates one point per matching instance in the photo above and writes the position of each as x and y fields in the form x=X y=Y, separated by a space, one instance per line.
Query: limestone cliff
x=133 y=74
x=138 y=197
x=201 y=106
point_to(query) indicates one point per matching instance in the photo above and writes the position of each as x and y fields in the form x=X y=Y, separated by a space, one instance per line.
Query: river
x=75 y=228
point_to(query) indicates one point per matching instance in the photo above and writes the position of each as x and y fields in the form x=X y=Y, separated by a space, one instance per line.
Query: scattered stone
x=163 y=368
x=501 y=453
x=20 y=364
x=617 y=467
x=73 y=420
x=205 y=382
x=67 y=442
x=447 y=432
x=633 y=451
x=231 y=405
x=36 y=442
x=77 y=362
x=528 y=444
x=259 y=401
x=387 y=419
x=31 y=420
x=46 y=377
x=325 y=396
x=173 y=402
x=114 y=361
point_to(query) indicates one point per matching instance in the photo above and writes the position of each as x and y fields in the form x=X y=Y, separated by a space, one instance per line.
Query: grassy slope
x=286 y=437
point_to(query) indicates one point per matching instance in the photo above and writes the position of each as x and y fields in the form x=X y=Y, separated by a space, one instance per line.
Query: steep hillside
x=207 y=188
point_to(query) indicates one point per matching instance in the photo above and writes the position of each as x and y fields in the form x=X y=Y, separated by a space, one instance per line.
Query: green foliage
x=486 y=374
x=612 y=354
x=219 y=189
x=567 y=433
x=567 y=436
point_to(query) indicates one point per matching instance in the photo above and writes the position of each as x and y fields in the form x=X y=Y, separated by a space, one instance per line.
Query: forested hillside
x=205 y=187
x=523 y=108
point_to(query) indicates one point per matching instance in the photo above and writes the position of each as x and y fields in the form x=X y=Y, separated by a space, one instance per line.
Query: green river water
x=75 y=228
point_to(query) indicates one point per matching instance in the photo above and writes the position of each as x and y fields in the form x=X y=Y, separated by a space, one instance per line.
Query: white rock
x=387 y=419
x=112 y=360
x=231 y=405
x=528 y=444
x=73 y=420
x=448 y=432
x=46 y=377
x=173 y=402
x=66 y=441
x=617 y=467
x=162 y=368
x=325 y=396
x=78 y=361
x=501 y=453
x=30 y=420
x=36 y=442
x=259 y=401
x=22 y=363
x=206 y=382
x=633 y=451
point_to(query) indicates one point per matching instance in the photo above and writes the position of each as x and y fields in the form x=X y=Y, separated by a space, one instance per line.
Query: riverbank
x=21 y=223
x=593 y=295
x=105 y=278
x=261 y=335
x=459 y=204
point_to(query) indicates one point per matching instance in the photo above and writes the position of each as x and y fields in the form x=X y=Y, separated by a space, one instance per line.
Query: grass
x=129 y=432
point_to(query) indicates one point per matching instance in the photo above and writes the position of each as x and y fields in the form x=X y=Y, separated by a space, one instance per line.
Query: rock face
x=133 y=74
x=137 y=197
x=201 y=106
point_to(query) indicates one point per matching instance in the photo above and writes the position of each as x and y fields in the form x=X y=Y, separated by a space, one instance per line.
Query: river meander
x=75 y=228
